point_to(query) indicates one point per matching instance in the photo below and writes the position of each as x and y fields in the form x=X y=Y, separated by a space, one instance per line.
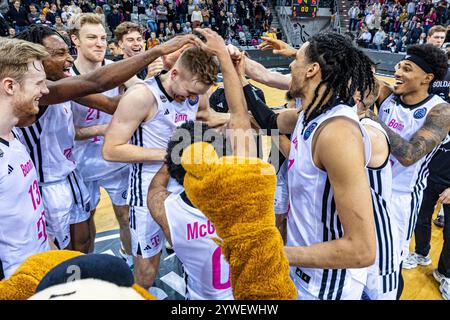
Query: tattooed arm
x=434 y=130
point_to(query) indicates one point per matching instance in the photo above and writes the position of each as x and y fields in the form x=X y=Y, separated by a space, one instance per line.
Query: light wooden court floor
x=419 y=282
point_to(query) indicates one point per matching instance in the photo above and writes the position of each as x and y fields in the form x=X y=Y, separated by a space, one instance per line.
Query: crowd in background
x=239 y=22
x=393 y=25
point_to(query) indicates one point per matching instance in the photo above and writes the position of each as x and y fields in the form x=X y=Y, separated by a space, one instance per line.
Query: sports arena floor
x=419 y=282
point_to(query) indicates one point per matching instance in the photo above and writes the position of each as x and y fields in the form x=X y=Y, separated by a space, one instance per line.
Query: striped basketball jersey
x=88 y=153
x=50 y=142
x=312 y=216
x=156 y=133
x=380 y=181
x=406 y=120
x=22 y=228
x=208 y=274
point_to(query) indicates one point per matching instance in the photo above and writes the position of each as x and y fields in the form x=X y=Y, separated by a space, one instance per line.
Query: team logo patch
x=193 y=100
x=419 y=114
x=309 y=130
x=163 y=98
x=124 y=195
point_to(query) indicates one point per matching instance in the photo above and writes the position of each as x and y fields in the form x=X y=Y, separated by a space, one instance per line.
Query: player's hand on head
x=239 y=64
x=177 y=42
x=279 y=47
x=214 y=42
x=155 y=67
x=234 y=52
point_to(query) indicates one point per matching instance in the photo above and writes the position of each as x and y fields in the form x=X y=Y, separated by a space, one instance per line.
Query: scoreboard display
x=304 y=8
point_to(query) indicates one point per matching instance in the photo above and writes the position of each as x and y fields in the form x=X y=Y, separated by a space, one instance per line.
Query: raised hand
x=214 y=42
x=176 y=43
x=279 y=47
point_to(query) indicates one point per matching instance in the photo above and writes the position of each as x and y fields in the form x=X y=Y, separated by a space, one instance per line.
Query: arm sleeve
x=266 y=118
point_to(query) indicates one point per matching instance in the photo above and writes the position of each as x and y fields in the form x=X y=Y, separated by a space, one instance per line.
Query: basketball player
x=436 y=37
x=50 y=141
x=148 y=115
x=383 y=276
x=328 y=232
x=22 y=84
x=416 y=123
x=89 y=37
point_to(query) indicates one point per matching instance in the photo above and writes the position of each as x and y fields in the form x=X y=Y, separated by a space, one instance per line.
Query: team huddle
x=348 y=193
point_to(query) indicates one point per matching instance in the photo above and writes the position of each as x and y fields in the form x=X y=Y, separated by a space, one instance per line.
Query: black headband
x=420 y=62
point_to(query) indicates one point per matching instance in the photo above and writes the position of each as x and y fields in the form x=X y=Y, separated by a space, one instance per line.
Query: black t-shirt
x=141 y=74
x=442 y=87
x=440 y=166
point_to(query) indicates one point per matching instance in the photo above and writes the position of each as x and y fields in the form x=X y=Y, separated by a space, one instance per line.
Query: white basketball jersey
x=22 y=215
x=50 y=142
x=312 y=217
x=208 y=274
x=380 y=179
x=156 y=133
x=88 y=153
x=406 y=121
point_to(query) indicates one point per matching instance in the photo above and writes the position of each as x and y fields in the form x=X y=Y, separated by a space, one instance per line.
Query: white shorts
x=281 y=202
x=147 y=237
x=66 y=202
x=115 y=184
x=405 y=209
x=381 y=287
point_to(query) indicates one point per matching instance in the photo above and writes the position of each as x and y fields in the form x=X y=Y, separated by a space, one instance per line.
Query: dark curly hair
x=344 y=68
x=37 y=33
x=433 y=56
x=185 y=135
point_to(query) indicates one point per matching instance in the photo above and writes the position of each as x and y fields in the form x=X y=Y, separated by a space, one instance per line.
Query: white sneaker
x=413 y=259
x=445 y=288
x=438 y=276
x=128 y=258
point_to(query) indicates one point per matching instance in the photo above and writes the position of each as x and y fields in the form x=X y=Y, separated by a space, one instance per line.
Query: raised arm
x=434 y=130
x=83 y=133
x=259 y=73
x=157 y=194
x=340 y=152
x=136 y=106
x=109 y=76
x=239 y=126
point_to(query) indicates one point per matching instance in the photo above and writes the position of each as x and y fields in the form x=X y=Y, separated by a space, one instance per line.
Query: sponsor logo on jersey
x=27 y=167
x=10 y=169
x=193 y=100
x=419 y=114
x=167 y=112
x=309 y=130
x=396 y=125
x=1 y=153
x=147 y=248
x=180 y=117
x=163 y=98
x=124 y=194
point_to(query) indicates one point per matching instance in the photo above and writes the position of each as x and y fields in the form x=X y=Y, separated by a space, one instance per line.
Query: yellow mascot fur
x=241 y=210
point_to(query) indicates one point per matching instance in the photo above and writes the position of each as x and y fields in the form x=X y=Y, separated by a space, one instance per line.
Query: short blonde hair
x=76 y=22
x=16 y=54
x=126 y=28
x=200 y=64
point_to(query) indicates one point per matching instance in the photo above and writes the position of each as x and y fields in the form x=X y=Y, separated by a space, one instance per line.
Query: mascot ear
x=198 y=159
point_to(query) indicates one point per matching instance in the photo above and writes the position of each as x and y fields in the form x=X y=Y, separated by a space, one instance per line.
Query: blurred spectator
x=127 y=7
x=34 y=14
x=99 y=12
x=51 y=14
x=416 y=32
x=151 y=14
x=182 y=10
x=3 y=26
x=152 y=41
x=17 y=17
x=43 y=20
x=364 y=38
x=187 y=28
x=378 y=39
x=161 y=13
x=353 y=15
x=196 y=17
x=60 y=26
x=114 y=19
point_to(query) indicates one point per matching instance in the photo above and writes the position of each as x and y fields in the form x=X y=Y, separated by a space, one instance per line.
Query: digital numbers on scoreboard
x=304 y=8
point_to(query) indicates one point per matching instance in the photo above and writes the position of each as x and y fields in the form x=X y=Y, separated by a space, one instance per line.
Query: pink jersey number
x=92 y=114
x=216 y=271
x=34 y=189
x=42 y=231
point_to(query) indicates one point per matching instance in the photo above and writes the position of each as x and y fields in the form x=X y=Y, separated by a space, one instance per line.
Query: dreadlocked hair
x=38 y=32
x=344 y=68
